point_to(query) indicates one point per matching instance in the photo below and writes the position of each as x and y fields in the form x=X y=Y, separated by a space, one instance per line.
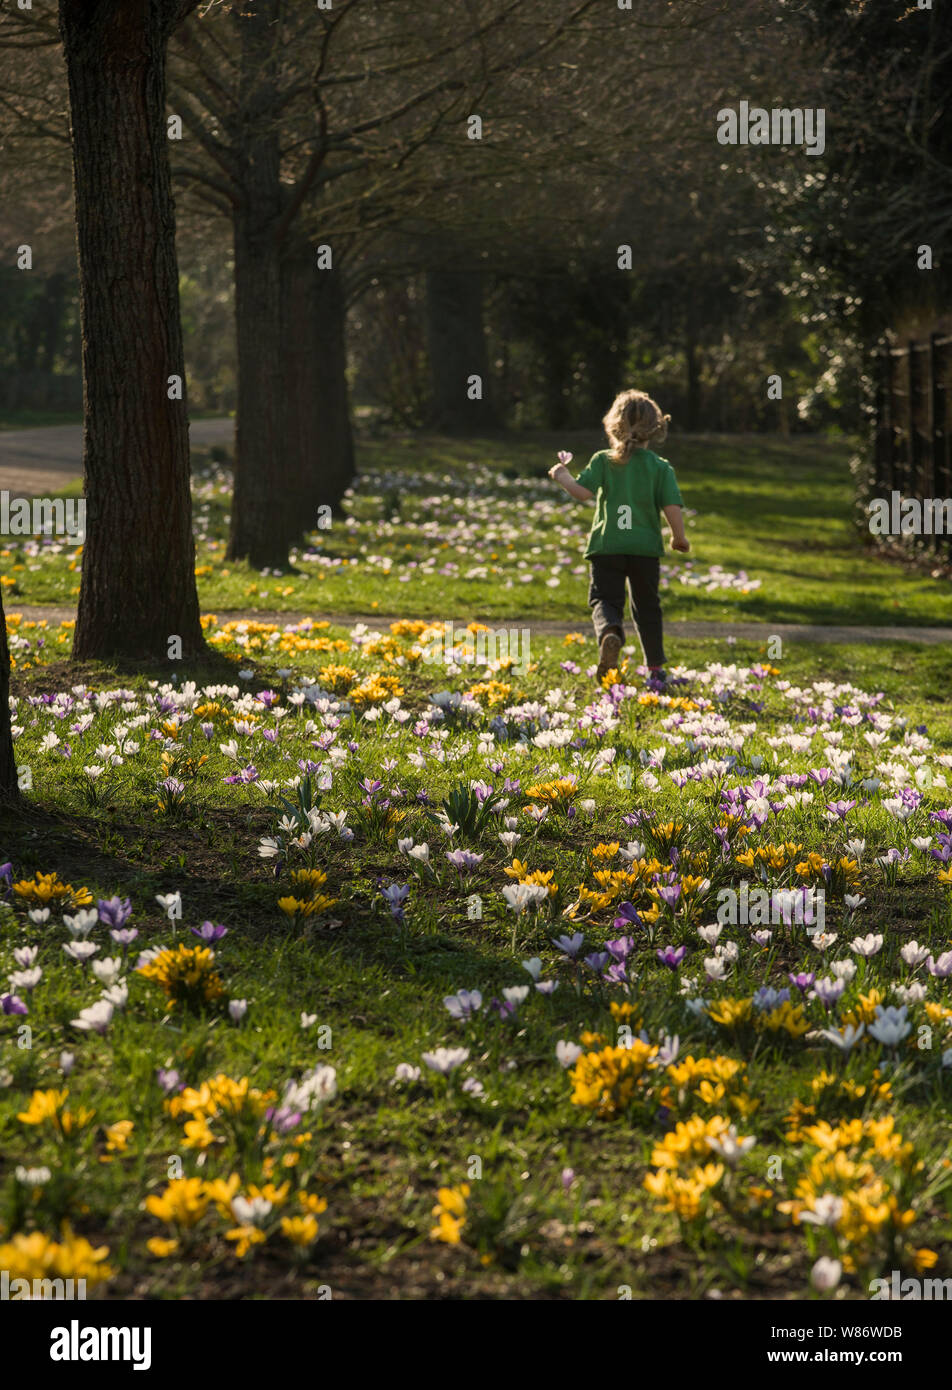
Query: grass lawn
x=471 y=530
x=266 y=1110
x=556 y=1153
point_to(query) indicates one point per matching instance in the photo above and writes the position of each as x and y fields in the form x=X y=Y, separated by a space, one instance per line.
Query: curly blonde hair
x=633 y=422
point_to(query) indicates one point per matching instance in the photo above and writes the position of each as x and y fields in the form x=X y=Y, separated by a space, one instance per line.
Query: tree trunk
x=258 y=513
x=138 y=580
x=457 y=349
x=319 y=440
x=9 y=790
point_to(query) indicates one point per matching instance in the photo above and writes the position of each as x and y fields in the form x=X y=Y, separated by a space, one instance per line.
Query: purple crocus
x=803 y=980
x=114 y=912
x=169 y=1080
x=672 y=956
x=502 y=1007
x=11 y=1004
x=627 y=916
x=669 y=894
x=464 y=860
x=597 y=961
x=395 y=896
x=210 y=931
x=283 y=1118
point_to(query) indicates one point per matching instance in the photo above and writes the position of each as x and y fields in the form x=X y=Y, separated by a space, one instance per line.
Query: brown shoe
x=608 y=653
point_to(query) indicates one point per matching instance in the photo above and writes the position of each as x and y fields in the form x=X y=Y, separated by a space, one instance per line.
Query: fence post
x=879 y=418
x=889 y=423
x=913 y=482
x=935 y=427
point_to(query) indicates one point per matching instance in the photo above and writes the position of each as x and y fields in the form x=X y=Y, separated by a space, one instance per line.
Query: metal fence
x=912 y=454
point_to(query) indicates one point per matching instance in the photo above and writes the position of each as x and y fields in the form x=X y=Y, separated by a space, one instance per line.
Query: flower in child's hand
x=564 y=457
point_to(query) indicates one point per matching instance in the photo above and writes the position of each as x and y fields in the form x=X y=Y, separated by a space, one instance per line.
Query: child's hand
x=556 y=468
x=682 y=544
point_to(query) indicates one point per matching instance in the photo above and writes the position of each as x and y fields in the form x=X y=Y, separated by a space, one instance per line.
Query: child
x=631 y=485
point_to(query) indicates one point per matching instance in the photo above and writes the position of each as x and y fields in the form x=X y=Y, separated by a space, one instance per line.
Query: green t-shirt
x=628 y=502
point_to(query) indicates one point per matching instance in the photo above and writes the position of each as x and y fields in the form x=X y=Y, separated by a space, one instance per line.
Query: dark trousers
x=606 y=599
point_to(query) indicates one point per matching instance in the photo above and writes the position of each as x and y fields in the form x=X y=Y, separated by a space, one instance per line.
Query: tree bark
x=138 y=578
x=9 y=789
x=319 y=440
x=457 y=349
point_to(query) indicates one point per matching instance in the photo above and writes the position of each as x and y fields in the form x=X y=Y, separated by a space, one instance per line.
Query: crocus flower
x=95 y=1019
x=846 y=1040
x=115 y=912
x=828 y=990
x=567 y=1053
x=463 y=1004
x=396 y=895
x=826 y=1210
x=627 y=916
x=597 y=961
x=826 y=1274
x=890 y=1025
x=445 y=1059
x=11 y=1004
x=730 y=1146
x=463 y=860
x=570 y=945
x=516 y=995
x=82 y=922
x=672 y=956
x=867 y=946
x=210 y=931
x=940 y=967
x=81 y=951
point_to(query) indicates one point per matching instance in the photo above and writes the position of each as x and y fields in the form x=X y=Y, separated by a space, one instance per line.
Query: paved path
x=34 y=463
x=752 y=632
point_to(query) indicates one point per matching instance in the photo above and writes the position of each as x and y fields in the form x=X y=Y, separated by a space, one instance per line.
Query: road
x=35 y=463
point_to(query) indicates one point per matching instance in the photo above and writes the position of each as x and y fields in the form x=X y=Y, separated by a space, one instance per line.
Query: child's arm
x=561 y=475
x=675 y=519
